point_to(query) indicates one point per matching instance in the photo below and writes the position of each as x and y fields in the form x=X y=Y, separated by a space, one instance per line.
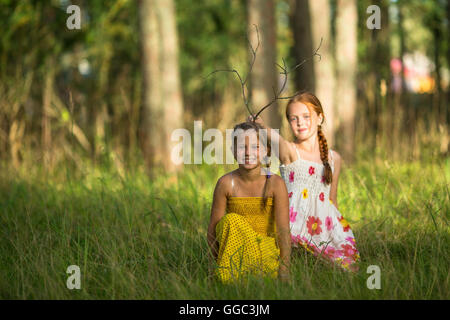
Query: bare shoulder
x=276 y=179
x=290 y=155
x=224 y=179
x=223 y=185
x=277 y=183
x=336 y=158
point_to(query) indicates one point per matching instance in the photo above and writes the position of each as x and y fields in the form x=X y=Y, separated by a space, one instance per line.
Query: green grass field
x=140 y=238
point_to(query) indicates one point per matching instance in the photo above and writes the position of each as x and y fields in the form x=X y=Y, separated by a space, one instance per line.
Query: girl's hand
x=258 y=120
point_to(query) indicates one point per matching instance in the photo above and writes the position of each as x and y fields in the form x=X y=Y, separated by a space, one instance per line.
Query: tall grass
x=140 y=238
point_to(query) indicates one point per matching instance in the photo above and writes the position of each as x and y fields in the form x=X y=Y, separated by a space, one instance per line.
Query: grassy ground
x=140 y=238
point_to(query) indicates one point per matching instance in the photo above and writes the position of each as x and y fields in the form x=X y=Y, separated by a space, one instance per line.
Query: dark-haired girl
x=311 y=172
x=248 y=231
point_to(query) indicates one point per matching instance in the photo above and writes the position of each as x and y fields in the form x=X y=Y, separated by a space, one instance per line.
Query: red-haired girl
x=311 y=172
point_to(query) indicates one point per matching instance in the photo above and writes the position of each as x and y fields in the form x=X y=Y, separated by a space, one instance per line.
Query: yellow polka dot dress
x=246 y=237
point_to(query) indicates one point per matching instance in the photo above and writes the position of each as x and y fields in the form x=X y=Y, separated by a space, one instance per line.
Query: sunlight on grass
x=136 y=237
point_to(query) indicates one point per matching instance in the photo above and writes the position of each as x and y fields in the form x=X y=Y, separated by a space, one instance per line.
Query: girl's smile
x=248 y=150
x=302 y=120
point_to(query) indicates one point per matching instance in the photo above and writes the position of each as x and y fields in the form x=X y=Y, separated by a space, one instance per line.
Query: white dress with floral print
x=316 y=224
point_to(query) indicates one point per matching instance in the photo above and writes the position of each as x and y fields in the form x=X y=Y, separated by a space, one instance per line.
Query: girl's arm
x=334 y=184
x=217 y=212
x=286 y=152
x=281 y=210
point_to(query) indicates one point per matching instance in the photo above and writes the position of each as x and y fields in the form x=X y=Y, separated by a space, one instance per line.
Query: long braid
x=268 y=175
x=323 y=146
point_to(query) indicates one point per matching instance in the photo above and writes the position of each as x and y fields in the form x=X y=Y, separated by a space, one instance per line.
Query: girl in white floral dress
x=311 y=174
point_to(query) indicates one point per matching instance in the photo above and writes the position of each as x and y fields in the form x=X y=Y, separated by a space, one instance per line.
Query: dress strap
x=296 y=151
x=232 y=185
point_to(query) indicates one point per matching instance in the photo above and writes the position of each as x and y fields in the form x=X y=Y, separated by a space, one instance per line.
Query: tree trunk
x=46 y=110
x=377 y=84
x=300 y=20
x=448 y=63
x=346 y=63
x=264 y=77
x=437 y=37
x=323 y=69
x=441 y=104
x=408 y=110
x=445 y=147
x=162 y=102
x=311 y=23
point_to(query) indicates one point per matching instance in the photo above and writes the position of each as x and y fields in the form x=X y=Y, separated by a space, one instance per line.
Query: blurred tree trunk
x=46 y=111
x=447 y=101
x=448 y=53
x=134 y=119
x=99 y=109
x=323 y=69
x=346 y=63
x=162 y=102
x=448 y=58
x=439 y=99
x=312 y=23
x=439 y=110
x=264 y=76
x=402 y=51
x=300 y=21
x=379 y=75
x=408 y=111
x=437 y=39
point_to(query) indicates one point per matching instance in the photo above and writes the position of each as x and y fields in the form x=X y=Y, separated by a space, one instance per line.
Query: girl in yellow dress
x=248 y=231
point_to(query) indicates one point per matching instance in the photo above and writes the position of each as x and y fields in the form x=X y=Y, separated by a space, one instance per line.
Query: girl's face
x=303 y=121
x=247 y=151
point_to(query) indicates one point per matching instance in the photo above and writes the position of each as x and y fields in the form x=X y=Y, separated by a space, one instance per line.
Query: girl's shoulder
x=277 y=183
x=225 y=179
x=224 y=183
x=275 y=179
x=290 y=155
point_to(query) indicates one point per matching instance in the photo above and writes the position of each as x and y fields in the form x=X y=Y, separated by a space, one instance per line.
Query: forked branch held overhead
x=284 y=71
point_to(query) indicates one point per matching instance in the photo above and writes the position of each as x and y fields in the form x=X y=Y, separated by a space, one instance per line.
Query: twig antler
x=243 y=82
x=284 y=71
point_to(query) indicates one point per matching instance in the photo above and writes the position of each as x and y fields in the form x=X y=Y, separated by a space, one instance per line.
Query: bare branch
x=253 y=52
x=285 y=72
x=314 y=54
x=243 y=82
x=244 y=97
